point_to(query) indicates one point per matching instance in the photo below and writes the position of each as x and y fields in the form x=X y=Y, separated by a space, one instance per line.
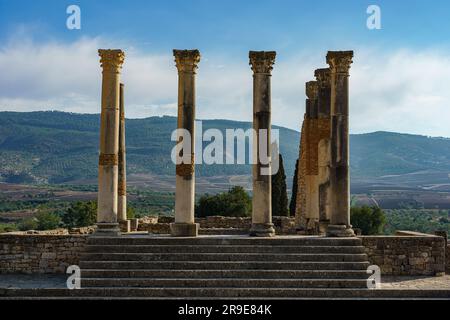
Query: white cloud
x=401 y=91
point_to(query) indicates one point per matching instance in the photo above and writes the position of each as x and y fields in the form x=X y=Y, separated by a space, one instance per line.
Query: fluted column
x=340 y=62
x=111 y=62
x=262 y=63
x=187 y=63
x=122 y=185
x=324 y=152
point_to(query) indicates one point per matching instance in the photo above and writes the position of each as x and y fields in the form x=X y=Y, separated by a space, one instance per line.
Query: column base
x=125 y=226
x=262 y=230
x=107 y=229
x=184 y=229
x=323 y=226
x=340 y=231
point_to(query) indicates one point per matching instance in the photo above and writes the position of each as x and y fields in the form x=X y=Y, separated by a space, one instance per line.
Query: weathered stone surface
x=111 y=62
x=262 y=64
x=187 y=63
x=406 y=255
x=39 y=253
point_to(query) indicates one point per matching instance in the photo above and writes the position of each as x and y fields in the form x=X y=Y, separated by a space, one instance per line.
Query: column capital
x=186 y=60
x=111 y=58
x=312 y=90
x=323 y=77
x=262 y=61
x=340 y=61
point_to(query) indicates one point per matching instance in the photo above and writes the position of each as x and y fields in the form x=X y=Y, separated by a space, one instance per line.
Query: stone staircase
x=223 y=266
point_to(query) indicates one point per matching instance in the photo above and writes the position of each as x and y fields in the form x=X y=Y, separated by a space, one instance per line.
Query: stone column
x=185 y=226
x=111 y=62
x=262 y=63
x=324 y=156
x=122 y=185
x=340 y=226
x=300 y=209
x=312 y=181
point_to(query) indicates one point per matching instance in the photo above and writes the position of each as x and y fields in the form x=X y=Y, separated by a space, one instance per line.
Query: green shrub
x=28 y=224
x=234 y=203
x=370 y=220
x=47 y=220
x=80 y=214
x=7 y=227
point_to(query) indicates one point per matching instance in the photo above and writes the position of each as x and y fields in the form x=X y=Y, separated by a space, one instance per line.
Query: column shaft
x=122 y=185
x=262 y=63
x=186 y=62
x=324 y=156
x=339 y=62
x=111 y=61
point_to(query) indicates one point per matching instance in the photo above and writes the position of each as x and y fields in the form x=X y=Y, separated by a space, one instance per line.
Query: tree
x=370 y=220
x=279 y=191
x=234 y=203
x=293 y=203
x=28 y=224
x=81 y=214
x=47 y=220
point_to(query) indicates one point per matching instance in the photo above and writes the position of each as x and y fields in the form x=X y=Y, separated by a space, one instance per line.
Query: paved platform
x=22 y=281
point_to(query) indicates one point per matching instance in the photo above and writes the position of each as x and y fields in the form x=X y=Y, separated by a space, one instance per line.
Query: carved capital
x=323 y=77
x=186 y=60
x=111 y=59
x=312 y=90
x=340 y=61
x=262 y=61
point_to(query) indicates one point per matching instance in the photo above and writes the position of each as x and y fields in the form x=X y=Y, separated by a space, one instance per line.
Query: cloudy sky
x=400 y=79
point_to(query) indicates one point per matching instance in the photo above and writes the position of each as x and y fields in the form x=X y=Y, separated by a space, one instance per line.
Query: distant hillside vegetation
x=58 y=147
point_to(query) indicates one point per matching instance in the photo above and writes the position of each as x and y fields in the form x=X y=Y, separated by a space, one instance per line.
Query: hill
x=58 y=147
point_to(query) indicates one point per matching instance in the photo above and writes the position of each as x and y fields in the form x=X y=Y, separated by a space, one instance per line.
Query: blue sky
x=397 y=79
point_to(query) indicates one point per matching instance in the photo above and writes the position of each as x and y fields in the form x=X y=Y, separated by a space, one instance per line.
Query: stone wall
x=407 y=255
x=161 y=225
x=39 y=253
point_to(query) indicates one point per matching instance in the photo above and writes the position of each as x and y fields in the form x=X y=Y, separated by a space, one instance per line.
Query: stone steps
x=223 y=283
x=226 y=257
x=223 y=274
x=218 y=293
x=224 y=240
x=223 y=265
x=223 y=249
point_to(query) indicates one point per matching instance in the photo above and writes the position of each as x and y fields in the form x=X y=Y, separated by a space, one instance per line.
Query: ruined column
x=340 y=226
x=262 y=64
x=300 y=210
x=312 y=170
x=185 y=226
x=122 y=185
x=111 y=62
x=324 y=151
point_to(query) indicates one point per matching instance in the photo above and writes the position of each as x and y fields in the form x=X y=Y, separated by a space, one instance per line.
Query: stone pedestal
x=107 y=222
x=185 y=226
x=340 y=226
x=262 y=64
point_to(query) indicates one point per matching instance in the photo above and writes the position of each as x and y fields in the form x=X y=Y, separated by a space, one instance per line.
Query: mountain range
x=57 y=147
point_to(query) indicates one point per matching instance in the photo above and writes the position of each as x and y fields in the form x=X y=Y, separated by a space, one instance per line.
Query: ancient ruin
x=187 y=64
x=323 y=199
x=108 y=171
